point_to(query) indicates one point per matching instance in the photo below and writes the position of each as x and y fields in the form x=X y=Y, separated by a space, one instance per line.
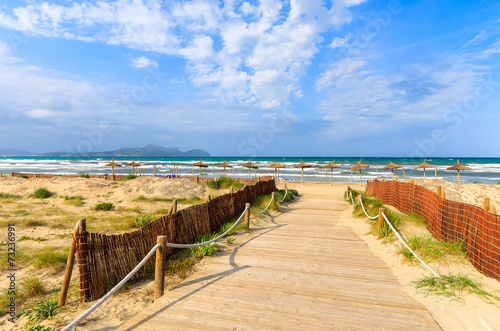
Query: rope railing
x=148 y=256
x=113 y=291
x=268 y=205
x=398 y=235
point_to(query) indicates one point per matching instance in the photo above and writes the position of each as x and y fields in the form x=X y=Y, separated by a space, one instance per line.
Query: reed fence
x=478 y=230
x=104 y=259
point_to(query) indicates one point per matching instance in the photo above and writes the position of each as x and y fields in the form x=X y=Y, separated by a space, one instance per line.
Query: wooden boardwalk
x=302 y=271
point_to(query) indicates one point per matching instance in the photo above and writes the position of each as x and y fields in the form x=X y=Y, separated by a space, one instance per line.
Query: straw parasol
x=199 y=164
x=458 y=167
x=331 y=165
x=224 y=165
x=393 y=166
x=113 y=164
x=424 y=166
x=275 y=166
x=360 y=166
x=250 y=166
x=134 y=166
x=302 y=165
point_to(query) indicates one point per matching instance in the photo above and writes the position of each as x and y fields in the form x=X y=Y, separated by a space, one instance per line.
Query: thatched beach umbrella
x=302 y=165
x=134 y=166
x=360 y=166
x=458 y=167
x=250 y=166
x=113 y=164
x=275 y=166
x=424 y=166
x=331 y=165
x=199 y=164
x=224 y=165
x=393 y=166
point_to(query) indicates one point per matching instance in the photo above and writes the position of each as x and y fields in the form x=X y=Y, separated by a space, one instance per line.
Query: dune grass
x=289 y=196
x=104 y=206
x=453 y=286
x=129 y=177
x=431 y=250
x=262 y=201
x=192 y=200
x=51 y=257
x=9 y=196
x=42 y=193
x=75 y=200
x=225 y=183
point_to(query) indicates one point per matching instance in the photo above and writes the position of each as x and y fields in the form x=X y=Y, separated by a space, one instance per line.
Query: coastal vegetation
x=223 y=183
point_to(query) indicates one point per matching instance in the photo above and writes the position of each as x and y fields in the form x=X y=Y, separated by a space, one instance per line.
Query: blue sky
x=252 y=78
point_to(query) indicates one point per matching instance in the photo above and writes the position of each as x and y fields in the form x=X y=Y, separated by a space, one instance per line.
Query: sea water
x=484 y=170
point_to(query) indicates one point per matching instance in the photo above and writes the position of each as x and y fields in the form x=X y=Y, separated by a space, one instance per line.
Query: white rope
x=370 y=217
x=286 y=192
x=408 y=247
x=397 y=235
x=486 y=325
x=261 y=212
x=113 y=291
x=354 y=204
x=209 y=241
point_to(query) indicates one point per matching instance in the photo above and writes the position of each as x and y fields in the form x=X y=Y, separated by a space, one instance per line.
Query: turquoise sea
x=484 y=170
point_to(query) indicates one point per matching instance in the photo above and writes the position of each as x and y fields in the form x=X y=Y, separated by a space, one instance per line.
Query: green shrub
x=39 y=239
x=205 y=250
x=129 y=177
x=42 y=193
x=41 y=311
x=262 y=201
x=105 y=206
x=39 y=328
x=143 y=220
x=289 y=196
x=23 y=176
x=84 y=175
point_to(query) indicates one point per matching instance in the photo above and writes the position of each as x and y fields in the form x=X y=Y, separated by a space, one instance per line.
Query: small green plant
x=39 y=328
x=143 y=220
x=23 y=238
x=477 y=182
x=32 y=287
x=129 y=177
x=106 y=206
x=9 y=196
x=205 y=250
x=84 y=176
x=498 y=183
x=41 y=311
x=34 y=223
x=22 y=213
x=50 y=257
x=179 y=266
x=289 y=196
x=452 y=286
x=75 y=201
x=42 y=193
x=229 y=240
x=23 y=176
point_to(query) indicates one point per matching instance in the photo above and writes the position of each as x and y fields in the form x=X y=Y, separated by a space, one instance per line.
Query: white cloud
x=249 y=53
x=143 y=62
x=39 y=113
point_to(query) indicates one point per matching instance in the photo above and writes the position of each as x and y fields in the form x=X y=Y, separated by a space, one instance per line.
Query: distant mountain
x=146 y=151
x=14 y=152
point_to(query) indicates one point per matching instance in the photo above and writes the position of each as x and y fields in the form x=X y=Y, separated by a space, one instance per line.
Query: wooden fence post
x=438 y=190
x=247 y=216
x=443 y=195
x=396 y=179
x=380 y=222
x=69 y=268
x=412 y=181
x=486 y=204
x=83 y=260
x=160 y=267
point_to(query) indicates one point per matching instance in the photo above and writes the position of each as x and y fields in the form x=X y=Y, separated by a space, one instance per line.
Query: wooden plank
x=308 y=272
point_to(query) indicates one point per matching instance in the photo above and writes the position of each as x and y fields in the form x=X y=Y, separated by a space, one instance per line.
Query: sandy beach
x=56 y=218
